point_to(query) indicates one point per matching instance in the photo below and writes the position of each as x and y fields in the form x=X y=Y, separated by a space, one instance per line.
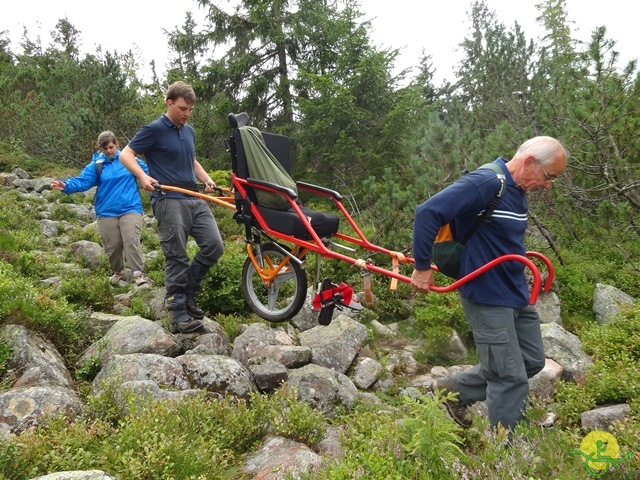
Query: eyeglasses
x=548 y=178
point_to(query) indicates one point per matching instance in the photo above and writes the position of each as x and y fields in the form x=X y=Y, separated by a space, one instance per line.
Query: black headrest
x=237 y=120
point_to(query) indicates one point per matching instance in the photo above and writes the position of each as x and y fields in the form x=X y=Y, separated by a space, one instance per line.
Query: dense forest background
x=307 y=69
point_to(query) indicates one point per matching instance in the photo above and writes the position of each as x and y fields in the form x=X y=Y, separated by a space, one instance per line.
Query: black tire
x=286 y=295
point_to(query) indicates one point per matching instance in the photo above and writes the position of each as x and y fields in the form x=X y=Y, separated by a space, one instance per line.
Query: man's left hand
x=209 y=187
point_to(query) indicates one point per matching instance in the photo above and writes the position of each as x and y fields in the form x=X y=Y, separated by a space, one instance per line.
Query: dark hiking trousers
x=510 y=351
x=179 y=218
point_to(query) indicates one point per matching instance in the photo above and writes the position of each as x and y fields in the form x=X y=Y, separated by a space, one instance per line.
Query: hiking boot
x=118 y=279
x=179 y=318
x=458 y=410
x=192 y=325
x=194 y=310
x=181 y=322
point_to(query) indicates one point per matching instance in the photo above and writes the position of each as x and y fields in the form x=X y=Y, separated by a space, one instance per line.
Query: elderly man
x=506 y=329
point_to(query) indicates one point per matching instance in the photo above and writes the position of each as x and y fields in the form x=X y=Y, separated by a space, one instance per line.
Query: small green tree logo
x=600 y=451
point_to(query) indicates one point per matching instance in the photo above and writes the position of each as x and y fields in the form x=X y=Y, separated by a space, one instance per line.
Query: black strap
x=193 y=187
x=485 y=215
x=99 y=172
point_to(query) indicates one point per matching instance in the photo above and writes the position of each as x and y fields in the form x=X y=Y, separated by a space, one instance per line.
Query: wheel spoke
x=286 y=292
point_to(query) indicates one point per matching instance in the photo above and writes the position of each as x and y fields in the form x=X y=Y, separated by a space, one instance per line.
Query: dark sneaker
x=189 y=326
x=194 y=310
x=457 y=409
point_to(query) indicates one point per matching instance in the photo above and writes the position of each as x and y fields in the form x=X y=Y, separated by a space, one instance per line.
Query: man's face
x=179 y=111
x=541 y=177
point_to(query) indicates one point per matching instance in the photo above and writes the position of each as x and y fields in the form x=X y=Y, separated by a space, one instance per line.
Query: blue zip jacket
x=117 y=192
x=505 y=285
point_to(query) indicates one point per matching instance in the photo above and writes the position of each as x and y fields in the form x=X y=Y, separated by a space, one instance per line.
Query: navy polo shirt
x=169 y=151
x=505 y=285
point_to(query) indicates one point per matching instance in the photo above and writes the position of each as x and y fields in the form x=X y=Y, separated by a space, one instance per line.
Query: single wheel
x=282 y=297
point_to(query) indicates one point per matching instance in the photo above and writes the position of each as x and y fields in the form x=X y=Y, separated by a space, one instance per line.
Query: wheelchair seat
x=286 y=221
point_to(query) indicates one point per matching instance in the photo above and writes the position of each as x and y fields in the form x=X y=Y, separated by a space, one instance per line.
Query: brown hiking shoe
x=456 y=408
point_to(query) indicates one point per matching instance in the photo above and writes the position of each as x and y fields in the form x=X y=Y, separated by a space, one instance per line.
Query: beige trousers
x=121 y=239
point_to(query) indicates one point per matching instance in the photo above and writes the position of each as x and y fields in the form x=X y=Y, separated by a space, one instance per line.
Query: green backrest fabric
x=262 y=165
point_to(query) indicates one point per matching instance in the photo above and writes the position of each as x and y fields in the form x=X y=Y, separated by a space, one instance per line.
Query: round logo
x=599 y=448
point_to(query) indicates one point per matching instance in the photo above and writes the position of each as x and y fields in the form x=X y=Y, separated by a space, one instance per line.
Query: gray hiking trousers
x=510 y=351
x=179 y=218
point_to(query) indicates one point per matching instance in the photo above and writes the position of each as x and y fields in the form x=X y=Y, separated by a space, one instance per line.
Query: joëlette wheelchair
x=274 y=279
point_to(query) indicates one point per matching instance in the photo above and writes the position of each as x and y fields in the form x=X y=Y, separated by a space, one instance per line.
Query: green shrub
x=90 y=291
x=232 y=324
x=436 y=321
x=89 y=369
x=222 y=178
x=149 y=241
x=63 y=213
x=33 y=264
x=221 y=289
x=428 y=434
x=170 y=440
x=391 y=306
x=5 y=355
x=372 y=448
x=88 y=234
x=8 y=243
x=443 y=309
x=619 y=337
x=155 y=268
x=230 y=230
x=576 y=290
x=614 y=377
x=588 y=263
x=292 y=418
x=17 y=214
x=135 y=438
x=615 y=348
x=415 y=441
x=139 y=305
x=23 y=303
x=614 y=380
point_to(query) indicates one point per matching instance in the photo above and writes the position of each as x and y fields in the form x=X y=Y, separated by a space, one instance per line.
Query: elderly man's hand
x=422 y=280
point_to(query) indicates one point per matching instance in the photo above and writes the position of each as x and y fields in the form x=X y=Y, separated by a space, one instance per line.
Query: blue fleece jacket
x=117 y=192
x=505 y=285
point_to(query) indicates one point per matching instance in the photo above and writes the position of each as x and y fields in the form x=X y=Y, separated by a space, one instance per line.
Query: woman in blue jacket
x=118 y=207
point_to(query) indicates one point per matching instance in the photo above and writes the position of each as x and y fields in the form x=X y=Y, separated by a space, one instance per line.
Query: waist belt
x=187 y=186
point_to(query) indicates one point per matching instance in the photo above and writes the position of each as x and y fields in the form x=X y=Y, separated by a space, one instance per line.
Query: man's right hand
x=422 y=280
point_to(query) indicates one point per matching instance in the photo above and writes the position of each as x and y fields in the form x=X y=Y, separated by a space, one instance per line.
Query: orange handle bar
x=224 y=201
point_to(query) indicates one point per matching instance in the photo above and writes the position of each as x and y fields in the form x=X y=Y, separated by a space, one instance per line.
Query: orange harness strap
x=396 y=258
x=366 y=280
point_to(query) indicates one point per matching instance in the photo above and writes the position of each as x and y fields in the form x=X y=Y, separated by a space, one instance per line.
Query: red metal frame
x=315 y=243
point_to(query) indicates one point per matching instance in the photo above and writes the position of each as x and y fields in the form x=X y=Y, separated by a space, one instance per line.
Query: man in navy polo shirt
x=506 y=329
x=168 y=145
